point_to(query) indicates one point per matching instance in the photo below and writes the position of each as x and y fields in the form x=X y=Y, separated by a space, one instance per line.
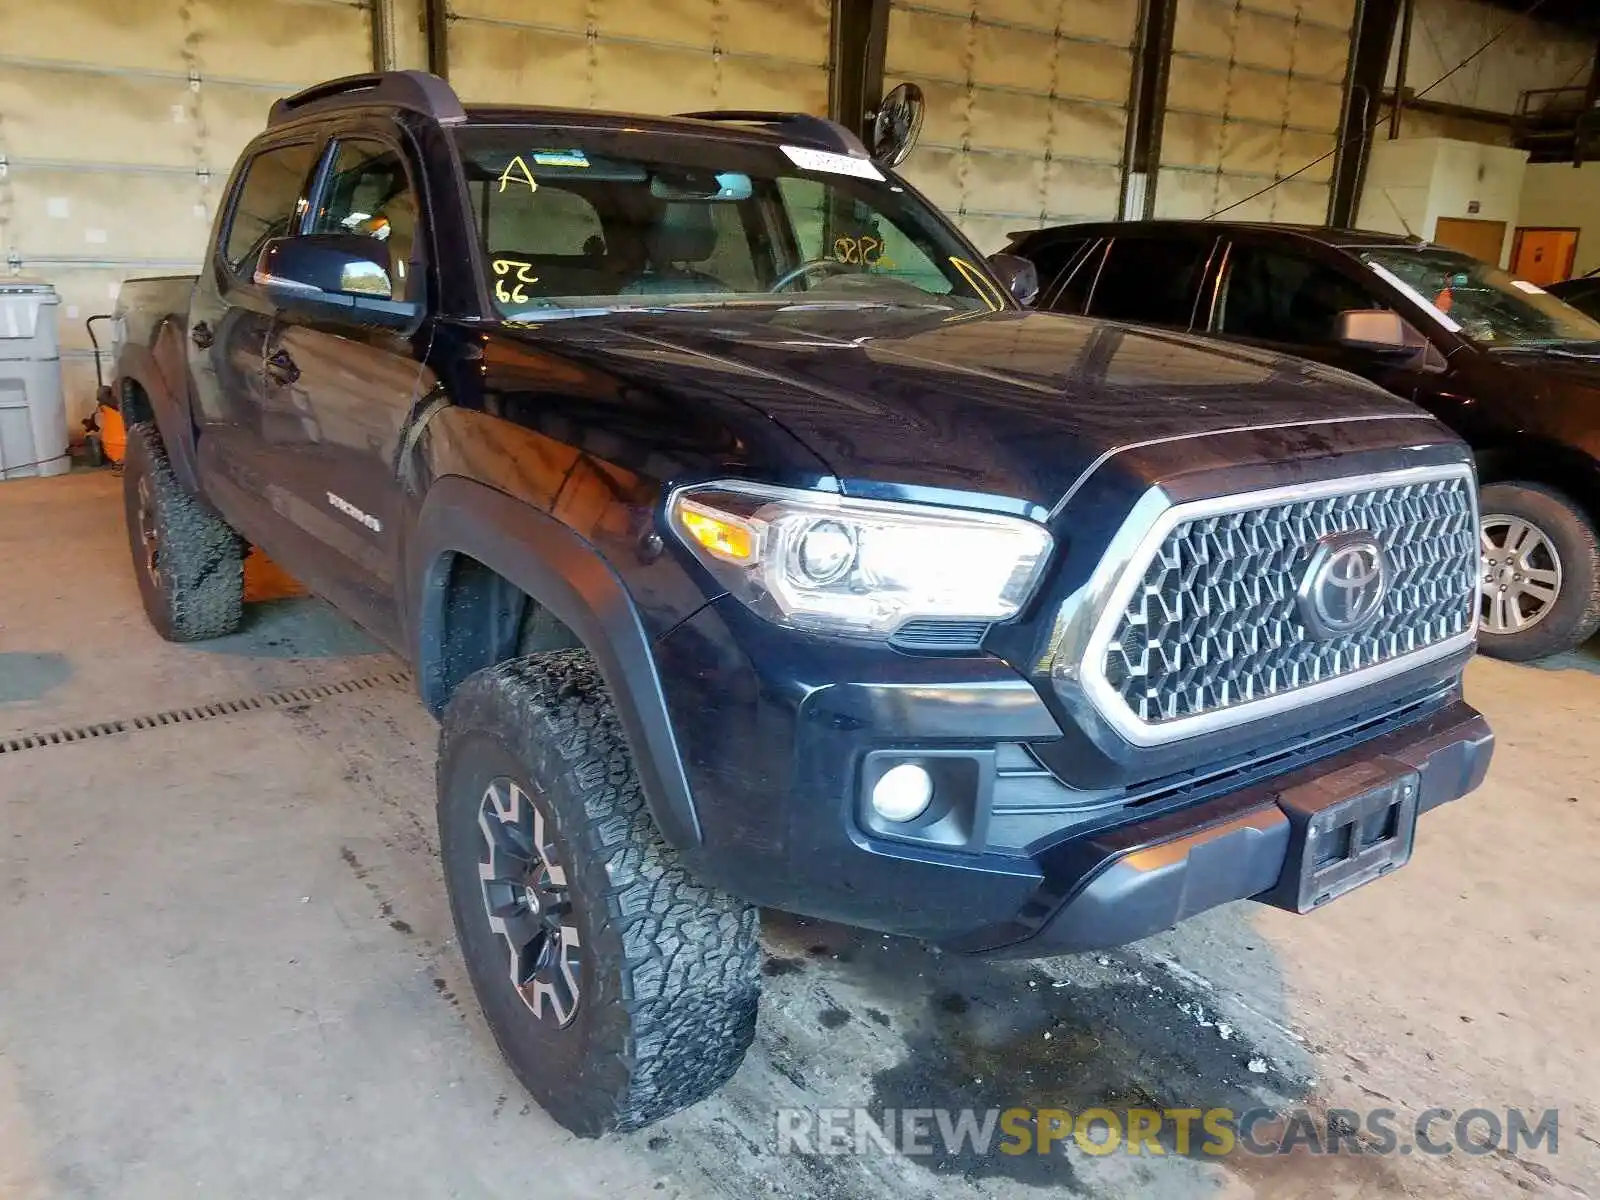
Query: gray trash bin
x=33 y=416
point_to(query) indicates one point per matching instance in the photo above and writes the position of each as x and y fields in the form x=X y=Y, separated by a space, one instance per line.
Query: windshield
x=1485 y=303
x=583 y=220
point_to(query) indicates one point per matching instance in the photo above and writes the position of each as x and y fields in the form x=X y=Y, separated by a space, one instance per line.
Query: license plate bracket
x=1346 y=830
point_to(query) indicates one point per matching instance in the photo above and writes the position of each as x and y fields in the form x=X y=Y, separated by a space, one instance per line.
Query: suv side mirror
x=1379 y=331
x=1388 y=335
x=1020 y=276
x=338 y=275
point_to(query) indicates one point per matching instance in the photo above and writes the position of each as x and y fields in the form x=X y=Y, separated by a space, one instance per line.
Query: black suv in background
x=1506 y=365
x=756 y=548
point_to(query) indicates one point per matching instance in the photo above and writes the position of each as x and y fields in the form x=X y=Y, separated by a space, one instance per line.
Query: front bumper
x=780 y=735
x=1150 y=875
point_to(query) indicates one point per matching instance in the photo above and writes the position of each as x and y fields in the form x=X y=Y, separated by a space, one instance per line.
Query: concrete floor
x=226 y=965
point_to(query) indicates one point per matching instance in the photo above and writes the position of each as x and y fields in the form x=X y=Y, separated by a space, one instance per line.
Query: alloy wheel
x=526 y=900
x=1521 y=574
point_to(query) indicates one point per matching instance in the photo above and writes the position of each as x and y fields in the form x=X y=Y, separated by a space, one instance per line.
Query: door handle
x=281 y=368
x=202 y=336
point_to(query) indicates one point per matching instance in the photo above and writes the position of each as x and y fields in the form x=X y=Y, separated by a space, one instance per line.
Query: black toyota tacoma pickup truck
x=755 y=547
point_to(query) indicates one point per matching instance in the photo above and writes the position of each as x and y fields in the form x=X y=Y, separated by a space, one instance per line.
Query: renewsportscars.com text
x=1185 y=1131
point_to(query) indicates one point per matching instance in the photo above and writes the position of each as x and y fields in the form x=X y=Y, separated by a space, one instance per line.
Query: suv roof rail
x=817 y=129
x=414 y=90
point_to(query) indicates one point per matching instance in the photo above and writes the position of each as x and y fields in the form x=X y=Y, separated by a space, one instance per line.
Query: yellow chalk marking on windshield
x=516 y=164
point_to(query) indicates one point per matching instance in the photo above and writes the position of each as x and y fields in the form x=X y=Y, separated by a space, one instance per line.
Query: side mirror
x=339 y=275
x=1020 y=276
x=1379 y=331
x=893 y=130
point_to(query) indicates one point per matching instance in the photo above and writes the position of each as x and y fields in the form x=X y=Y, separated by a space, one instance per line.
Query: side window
x=1073 y=276
x=1278 y=297
x=268 y=202
x=368 y=193
x=806 y=202
x=1151 y=280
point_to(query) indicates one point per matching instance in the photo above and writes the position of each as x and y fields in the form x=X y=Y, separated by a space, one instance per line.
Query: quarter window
x=1151 y=280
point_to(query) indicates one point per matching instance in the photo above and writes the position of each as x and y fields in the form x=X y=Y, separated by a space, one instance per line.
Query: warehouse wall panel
x=119 y=124
x=1255 y=95
x=665 y=56
x=1027 y=107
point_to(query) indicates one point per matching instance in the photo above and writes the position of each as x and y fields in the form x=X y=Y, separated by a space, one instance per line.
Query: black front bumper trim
x=1153 y=874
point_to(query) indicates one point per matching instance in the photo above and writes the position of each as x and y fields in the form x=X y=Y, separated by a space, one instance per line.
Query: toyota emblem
x=1344 y=587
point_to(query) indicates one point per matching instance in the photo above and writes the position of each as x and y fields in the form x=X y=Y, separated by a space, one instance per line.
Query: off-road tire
x=1574 y=616
x=196 y=590
x=669 y=968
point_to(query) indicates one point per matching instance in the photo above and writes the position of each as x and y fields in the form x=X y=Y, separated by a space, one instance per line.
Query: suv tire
x=536 y=783
x=189 y=563
x=1562 y=542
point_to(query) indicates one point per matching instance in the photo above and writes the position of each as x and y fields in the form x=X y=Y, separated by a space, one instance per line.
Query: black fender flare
x=170 y=410
x=561 y=571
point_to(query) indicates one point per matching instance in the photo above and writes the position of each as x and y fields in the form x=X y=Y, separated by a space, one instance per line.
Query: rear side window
x=1069 y=275
x=268 y=201
x=1153 y=281
x=1285 y=298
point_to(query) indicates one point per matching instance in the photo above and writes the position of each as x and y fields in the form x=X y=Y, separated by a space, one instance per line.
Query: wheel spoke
x=1538 y=575
x=1521 y=538
x=1542 y=592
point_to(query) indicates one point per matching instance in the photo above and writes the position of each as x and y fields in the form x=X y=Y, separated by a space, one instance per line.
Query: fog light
x=902 y=793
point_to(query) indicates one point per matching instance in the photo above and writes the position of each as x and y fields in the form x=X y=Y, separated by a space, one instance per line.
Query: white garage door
x=1027 y=107
x=1253 y=96
x=659 y=56
x=119 y=123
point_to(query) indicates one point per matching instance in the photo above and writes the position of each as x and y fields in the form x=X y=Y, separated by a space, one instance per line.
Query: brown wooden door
x=1544 y=255
x=1481 y=239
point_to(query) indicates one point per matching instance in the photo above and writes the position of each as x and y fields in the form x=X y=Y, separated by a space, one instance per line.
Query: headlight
x=860 y=567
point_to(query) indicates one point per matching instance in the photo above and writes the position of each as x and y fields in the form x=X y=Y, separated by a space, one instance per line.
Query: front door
x=1544 y=256
x=229 y=322
x=338 y=392
x=1289 y=302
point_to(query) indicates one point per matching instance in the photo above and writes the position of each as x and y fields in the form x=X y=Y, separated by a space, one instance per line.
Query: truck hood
x=1014 y=404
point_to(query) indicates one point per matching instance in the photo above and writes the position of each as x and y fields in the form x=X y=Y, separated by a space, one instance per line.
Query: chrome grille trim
x=1112 y=705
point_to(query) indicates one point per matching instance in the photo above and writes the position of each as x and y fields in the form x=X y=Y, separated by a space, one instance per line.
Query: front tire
x=618 y=988
x=1541 y=573
x=189 y=563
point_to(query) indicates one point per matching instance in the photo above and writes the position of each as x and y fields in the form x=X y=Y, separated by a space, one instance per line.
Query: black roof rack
x=414 y=90
x=816 y=129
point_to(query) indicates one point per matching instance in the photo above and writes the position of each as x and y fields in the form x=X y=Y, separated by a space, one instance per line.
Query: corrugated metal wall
x=119 y=123
x=1027 y=107
x=660 y=56
x=1255 y=93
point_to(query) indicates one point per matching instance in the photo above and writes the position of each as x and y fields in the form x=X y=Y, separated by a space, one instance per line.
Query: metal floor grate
x=16 y=743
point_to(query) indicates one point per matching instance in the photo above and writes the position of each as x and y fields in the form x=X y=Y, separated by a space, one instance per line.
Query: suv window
x=268 y=200
x=1279 y=297
x=368 y=193
x=1151 y=280
x=1071 y=274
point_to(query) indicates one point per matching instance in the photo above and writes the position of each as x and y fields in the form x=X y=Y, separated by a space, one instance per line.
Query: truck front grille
x=1217 y=619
